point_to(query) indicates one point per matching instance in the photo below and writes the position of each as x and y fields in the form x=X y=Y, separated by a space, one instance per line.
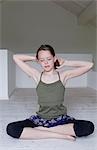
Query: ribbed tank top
x=50 y=99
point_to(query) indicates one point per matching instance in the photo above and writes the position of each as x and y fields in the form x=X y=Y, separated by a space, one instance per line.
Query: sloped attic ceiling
x=85 y=10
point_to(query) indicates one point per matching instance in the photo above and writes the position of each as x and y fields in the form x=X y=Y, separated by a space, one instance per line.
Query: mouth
x=47 y=66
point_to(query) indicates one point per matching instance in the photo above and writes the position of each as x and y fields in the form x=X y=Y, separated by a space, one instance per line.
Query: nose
x=46 y=62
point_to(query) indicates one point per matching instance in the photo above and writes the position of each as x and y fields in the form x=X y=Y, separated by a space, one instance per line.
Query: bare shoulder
x=62 y=76
x=36 y=76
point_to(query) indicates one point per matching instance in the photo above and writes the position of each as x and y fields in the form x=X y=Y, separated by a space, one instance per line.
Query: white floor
x=81 y=104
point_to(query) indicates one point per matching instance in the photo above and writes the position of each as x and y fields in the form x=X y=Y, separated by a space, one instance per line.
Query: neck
x=50 y=72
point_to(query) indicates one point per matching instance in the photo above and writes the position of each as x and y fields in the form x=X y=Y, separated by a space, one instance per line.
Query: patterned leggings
x=81 y=127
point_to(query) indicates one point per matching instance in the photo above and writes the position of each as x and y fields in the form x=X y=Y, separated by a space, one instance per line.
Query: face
x=46 y=59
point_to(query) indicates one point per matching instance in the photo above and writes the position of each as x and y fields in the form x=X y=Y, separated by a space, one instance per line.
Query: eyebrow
x=43 y=58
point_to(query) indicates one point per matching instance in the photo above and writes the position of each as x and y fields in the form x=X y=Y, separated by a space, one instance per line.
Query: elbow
x=91 y=65
x=14 y=56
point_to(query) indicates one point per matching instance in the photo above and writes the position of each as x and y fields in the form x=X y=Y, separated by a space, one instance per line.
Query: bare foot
x=70 y=137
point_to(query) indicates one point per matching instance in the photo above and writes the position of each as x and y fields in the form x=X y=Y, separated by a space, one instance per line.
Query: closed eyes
x=44 y=59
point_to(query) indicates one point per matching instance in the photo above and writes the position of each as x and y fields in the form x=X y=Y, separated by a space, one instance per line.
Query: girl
x=51 y=120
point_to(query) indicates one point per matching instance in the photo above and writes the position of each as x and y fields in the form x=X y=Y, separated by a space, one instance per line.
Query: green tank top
x=50 y=99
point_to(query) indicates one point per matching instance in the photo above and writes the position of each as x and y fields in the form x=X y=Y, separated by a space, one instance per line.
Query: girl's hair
x=51 y=50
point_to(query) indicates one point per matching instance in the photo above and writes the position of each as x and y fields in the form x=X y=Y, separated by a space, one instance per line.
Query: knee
x=83 y=128
x=13 y=130
x=89 y=128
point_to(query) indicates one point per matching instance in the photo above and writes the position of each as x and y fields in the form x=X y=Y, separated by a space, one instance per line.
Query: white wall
x=23 y=81
x=0 y=26
x=7 y=74
x=11 y=73
x=92 y=77
x=92 y=80
x=3 y=74
x=27 y=25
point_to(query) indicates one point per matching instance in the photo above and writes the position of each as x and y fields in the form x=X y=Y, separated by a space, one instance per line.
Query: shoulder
x=62 y=76
x=61 y=73
x=37 y=76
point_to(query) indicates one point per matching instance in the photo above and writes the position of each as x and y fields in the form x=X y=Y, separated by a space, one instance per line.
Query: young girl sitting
x=51 y=120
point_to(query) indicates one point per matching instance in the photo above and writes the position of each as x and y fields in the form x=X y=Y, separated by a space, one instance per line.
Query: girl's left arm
x=81 y=68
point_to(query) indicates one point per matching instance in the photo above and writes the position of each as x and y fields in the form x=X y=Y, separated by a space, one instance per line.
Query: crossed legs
x=42 y=133
x=28 y=130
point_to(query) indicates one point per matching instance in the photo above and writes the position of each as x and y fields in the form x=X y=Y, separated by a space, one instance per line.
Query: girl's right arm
x=21 y=60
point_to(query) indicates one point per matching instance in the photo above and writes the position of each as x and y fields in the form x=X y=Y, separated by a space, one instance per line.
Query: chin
x=48 y=70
